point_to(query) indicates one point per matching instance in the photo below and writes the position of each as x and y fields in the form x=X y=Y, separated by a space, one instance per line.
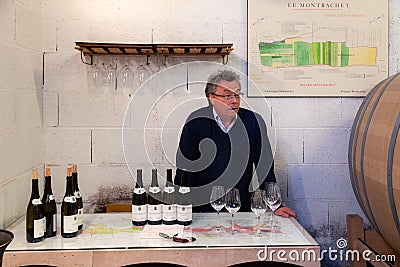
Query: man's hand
x=285 y=212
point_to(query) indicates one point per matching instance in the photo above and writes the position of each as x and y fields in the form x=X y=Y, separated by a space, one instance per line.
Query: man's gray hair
x=216 y=78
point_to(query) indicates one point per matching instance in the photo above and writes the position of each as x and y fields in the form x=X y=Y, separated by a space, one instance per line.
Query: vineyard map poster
x=316 y=48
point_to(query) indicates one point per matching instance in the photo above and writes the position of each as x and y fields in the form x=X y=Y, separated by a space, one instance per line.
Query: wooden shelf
x=90 y=49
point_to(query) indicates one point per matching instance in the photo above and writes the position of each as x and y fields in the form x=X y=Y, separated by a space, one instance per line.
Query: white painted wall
x=21 y=117
x=84 y=125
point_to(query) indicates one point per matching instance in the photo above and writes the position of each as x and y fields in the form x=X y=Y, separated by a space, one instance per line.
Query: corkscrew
x=175 y=238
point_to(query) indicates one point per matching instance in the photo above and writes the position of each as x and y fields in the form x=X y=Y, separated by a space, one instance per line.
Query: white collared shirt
x=221 y=125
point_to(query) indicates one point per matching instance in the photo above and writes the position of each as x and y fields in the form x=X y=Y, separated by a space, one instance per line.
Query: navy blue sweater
x=213 y=157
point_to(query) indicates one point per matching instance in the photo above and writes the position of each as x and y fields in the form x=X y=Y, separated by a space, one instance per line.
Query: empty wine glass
x=217 y=200
x=232 y=204
x=126 y=77
x=143 y=72
x=96 y=76
x=273 y=198
x=111 y=77
x=258 y=206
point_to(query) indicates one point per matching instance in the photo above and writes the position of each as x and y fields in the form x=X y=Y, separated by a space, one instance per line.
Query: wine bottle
x=169 y=205
x=154 y=210
x=35 y=219
x=69 y=210
x=184 y=202
x=139 y=202
x=78 y=196
x=49 y=207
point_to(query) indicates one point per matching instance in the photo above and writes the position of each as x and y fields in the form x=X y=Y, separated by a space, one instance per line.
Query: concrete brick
x=319 y=182
x=65 y=72
x=349 y=107
x=86 y=110
x=13 y=67
x=29 y=30
x=29 y=109
x=142 y=146
x=50 y=109
x=8 y=156
x=74 y=23
x=66 y=145
x=326 y=145
x=234 y=33
x=178 y=32
x=7 y=20
x=107 y=146
x=337 y=214
x=306 y=112
x=29 y=149
x=289 y=146
x=8 y=112
x=312 y=214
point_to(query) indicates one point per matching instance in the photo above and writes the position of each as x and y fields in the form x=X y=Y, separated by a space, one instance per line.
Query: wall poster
x=316 y=48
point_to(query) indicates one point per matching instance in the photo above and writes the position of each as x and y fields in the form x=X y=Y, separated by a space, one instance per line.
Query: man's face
x=226 y=100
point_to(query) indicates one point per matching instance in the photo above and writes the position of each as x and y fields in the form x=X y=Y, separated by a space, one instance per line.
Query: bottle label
x=38 y=227
x=70 y=224
x=184 y=213
x=139 y=191
x=70 y=199
x=54 y=222
x=169 y=190
x=169 y=212
x=154 y=189
x=154 y=212
x=51 y=197
x=139 y=213
x=80 y=216
x=184 y=190
x=78 y=194
x=36 y=201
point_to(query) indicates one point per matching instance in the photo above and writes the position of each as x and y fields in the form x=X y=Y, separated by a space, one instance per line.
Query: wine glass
x=143 y=72
x=96 y=76
x=258 y=206
x=217 y=200
x=273 y=198
x=126 y=77
x=111 y=78
x=232 y=204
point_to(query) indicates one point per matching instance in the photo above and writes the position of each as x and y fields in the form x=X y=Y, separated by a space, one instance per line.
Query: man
x=222 y=143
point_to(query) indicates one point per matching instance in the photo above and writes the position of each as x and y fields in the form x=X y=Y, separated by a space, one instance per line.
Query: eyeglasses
x=229 y=97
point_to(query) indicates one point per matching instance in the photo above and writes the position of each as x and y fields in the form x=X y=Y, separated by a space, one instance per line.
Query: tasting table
x=109 y=239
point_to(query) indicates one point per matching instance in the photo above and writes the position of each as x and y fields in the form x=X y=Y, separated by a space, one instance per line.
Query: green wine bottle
x=35 y=219
x=49 y=207
x=69 y=210
x=78 y=196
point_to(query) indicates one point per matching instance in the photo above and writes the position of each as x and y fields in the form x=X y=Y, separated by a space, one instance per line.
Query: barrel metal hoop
x=353 y=143
x=391 y=150
x=363 y=145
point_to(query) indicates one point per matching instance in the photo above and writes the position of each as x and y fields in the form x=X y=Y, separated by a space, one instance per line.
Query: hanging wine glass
x=143 y=72
x=110 y=78
x=126 y=77
x=96 y=75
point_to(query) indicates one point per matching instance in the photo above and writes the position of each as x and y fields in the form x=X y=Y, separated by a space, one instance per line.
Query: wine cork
x=69 y=171
x=34 y=175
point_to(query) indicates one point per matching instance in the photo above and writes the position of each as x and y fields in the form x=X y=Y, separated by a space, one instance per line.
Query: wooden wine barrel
x=374 y=158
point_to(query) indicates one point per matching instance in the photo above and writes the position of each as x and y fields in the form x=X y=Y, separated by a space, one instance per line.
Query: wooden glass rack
x=115 y=49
